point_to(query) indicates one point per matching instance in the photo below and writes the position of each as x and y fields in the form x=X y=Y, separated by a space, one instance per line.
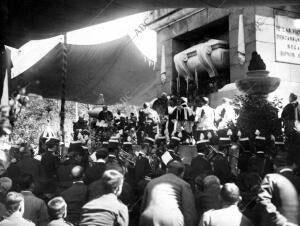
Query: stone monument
x=258 y=82
x=256 y=113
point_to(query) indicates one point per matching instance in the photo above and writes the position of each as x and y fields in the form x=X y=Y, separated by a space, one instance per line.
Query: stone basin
x=258 y=83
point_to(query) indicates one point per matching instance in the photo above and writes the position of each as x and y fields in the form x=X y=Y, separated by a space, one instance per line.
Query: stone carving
x=209 y=57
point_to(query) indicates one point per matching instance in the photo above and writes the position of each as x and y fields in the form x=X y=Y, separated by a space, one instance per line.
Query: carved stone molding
x=209 y=57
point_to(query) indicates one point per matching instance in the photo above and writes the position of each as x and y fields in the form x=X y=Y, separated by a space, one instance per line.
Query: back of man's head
x=112 y=181
x=57 y=208
x=26 y=181
x=14 y=202
x=102 y=153
x=116 y=165
x=77 y=172
x=175 y=167
x=211 y=181
x=282 y=160
x=230 y=194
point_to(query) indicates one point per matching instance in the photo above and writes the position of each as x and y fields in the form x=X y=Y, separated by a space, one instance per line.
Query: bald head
x=112 y=181
x=230 y=194
x=77 y=172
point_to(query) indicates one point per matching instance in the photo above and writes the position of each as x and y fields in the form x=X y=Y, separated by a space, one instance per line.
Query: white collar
x=285 y=170
x=232 y=207
x=26 y=191
x=100 y=160
x=78 y=181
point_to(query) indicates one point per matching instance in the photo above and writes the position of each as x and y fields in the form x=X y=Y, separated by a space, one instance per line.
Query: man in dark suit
x=35 y=208
x=95 y=172
x=64 y=177
x=209 y=197
x=50 y=160
x=199 y=164
x=168 y=200
x=96 y=189
x=142 y=167
x=291 y=117
x=290 y=113
x=31 y=166
x=76 y=195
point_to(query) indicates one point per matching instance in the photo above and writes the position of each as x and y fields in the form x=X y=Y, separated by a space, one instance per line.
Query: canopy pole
x=76 y=111
x=2 y=67
x=63 y=89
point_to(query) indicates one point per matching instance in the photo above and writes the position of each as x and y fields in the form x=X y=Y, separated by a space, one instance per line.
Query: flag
x=241 y=41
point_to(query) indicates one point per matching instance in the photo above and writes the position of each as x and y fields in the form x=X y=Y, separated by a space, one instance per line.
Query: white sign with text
x=287 y=39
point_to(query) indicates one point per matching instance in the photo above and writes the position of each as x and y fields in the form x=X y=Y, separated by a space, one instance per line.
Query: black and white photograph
x=149 y=113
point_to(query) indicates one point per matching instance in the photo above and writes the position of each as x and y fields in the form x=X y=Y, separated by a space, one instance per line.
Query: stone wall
x=263 y=39
x=174 y=25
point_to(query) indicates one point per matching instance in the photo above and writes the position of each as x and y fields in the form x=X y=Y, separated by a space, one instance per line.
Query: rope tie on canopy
x=63 y=87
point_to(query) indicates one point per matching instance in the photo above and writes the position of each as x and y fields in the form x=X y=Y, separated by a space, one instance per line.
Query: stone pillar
x=238 y=71
x=166 y=87
x=172 y=47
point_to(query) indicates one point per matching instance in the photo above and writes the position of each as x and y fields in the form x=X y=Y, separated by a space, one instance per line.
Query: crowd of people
x=170 y=165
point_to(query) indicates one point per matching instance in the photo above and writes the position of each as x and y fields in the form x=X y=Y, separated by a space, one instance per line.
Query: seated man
x=79 y=126
x=230 y=214
x=14 y=203
x=57 y=208
x=104 y=118
x=107 y=209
